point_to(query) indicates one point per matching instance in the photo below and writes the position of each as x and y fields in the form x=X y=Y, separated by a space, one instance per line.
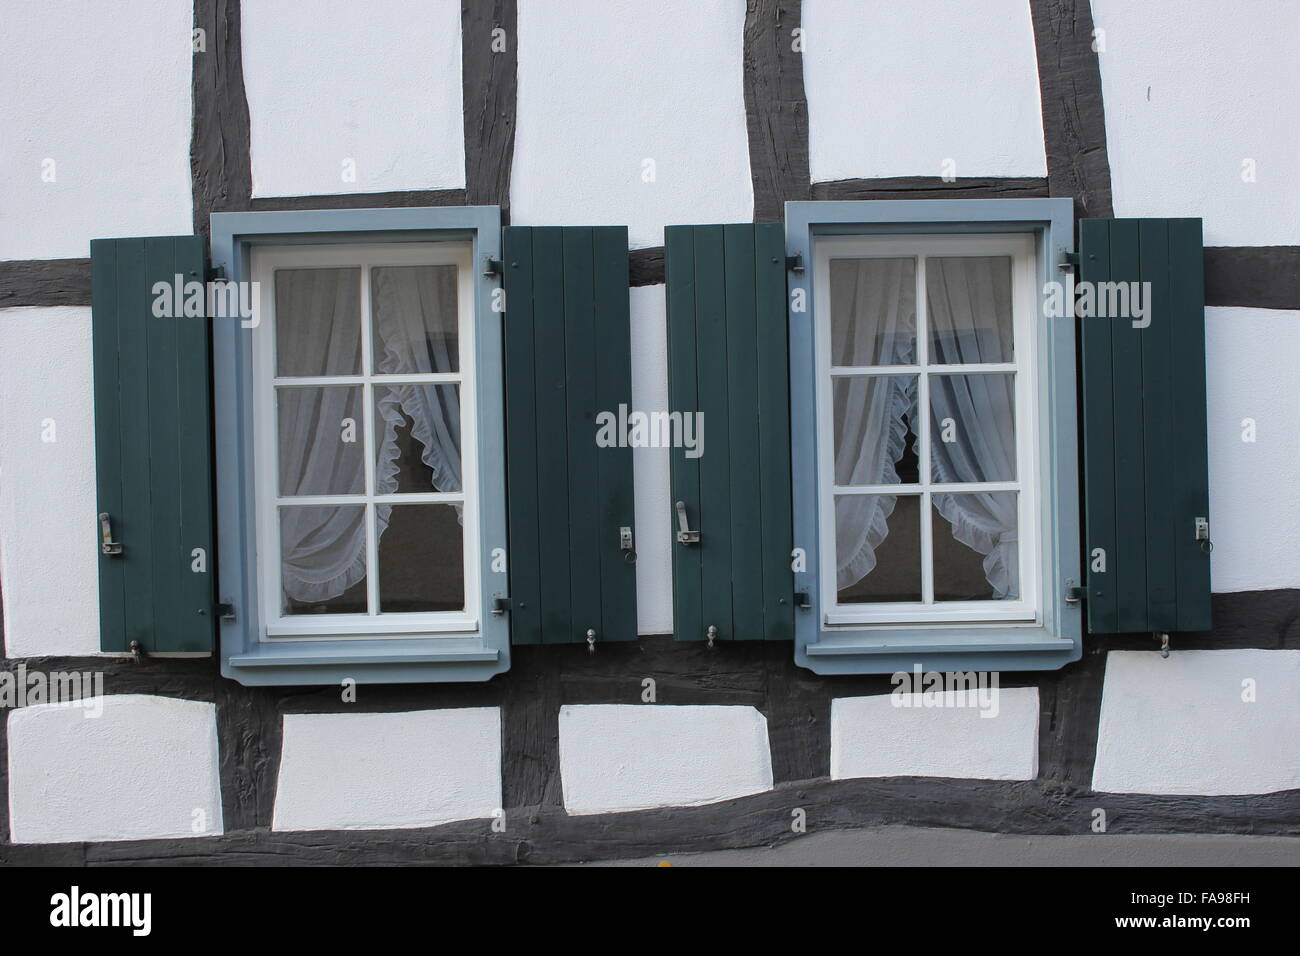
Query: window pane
x=323 y=559
x=976 y=547
x=873 y=311
x=421 y=558
x=321 y=445
x=972 y=428
x=873 y=422
x=878 y=548
x=414 y=317
x=418 y=446
x=968 y=310
x=318 y=322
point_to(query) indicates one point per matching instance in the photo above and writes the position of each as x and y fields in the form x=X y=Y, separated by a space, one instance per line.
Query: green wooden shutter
x=568 y=358
x=728 y=357
x=1144 y=431
x=153 y=460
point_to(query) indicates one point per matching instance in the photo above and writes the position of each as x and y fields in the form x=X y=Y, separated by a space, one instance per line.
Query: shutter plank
x=162 y=416
x=552 y=434
x=1190 y=454
x=1130 y=571
x=521 y=427
x=613 y=376
x=775 y=502
x=1157 y=414
x=679 y=275
x=580 y=401
x=105 y=293
x=715 y=470
x=741 y=379
x=1099 y=430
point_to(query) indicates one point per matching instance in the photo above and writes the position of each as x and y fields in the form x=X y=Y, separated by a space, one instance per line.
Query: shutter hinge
x=1069 y=260
x=492 y=267
x=500 y=605
x=1073 y=593
x=226 y=611
x=794 y=263
x=217 y=274
x=801 y=600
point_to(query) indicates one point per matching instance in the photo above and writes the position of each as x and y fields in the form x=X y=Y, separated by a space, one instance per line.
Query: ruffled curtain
x=413 y=308
x=879 y=299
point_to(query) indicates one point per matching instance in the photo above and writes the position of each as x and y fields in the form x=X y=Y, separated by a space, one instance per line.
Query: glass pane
x=318 y=322
x=421 y=558
x=873 y=421
x=976 y=549
x=873 y=311
x=968 y=310
x=321 y=445
x=418 y=447
x=414 y=317
x=972 y=428
x=878 y=548
x=323 y=559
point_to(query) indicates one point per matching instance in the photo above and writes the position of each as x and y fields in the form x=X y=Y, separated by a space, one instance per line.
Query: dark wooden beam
x=489 y=41
x=776 y=111
x=44 y=282
x=1074 y=119
x=220 y=167
x=931 y=187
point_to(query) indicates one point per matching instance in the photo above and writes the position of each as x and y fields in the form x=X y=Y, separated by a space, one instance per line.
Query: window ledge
x=371 y=662
x=939 y=649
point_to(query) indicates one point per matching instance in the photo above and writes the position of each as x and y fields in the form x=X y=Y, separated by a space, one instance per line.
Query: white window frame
x=279 y=627
x=1020 y=248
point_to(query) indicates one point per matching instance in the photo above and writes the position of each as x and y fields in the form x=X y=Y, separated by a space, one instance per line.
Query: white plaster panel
x=877 y=737
x=650 y=469
x=895 y=89
x=612 y=84
x=388 y=771
x=1252 y=359
x=616 y=757
x=338 y=81
x=145 y=768
x=101 y=91
x=48 y=571
x=1179 y=725
x=1192 y=89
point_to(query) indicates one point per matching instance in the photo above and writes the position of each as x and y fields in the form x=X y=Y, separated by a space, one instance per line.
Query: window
x=360 y=446
x=364 y=438
x=926 y=420
x=933 y=436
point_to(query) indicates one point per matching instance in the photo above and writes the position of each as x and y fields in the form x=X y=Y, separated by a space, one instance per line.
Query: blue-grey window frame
x=244 y=656
x=1057 y=640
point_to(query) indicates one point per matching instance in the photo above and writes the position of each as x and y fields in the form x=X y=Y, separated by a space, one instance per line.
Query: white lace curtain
x=323 y=549
x=875 y=306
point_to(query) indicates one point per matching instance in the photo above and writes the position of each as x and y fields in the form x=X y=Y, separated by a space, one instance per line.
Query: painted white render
x=388 y=771
x=616 y=757
x=650 y=470
x=1252 y=373
x=96 y=121
x=638 y=90
x=872 y=737
x=1193 y=90
x=145 y=768
x=340 y=83
x=1180 y=724
x=49 y=574
x=898 y=89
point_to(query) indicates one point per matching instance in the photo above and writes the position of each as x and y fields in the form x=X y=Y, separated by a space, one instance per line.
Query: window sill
x=943 y=649
x=429 y=660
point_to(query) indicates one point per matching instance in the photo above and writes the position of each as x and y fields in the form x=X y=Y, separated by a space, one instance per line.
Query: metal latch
x=625 y=544
x=1203 y=534
x=106 y=543
x=684 y=533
